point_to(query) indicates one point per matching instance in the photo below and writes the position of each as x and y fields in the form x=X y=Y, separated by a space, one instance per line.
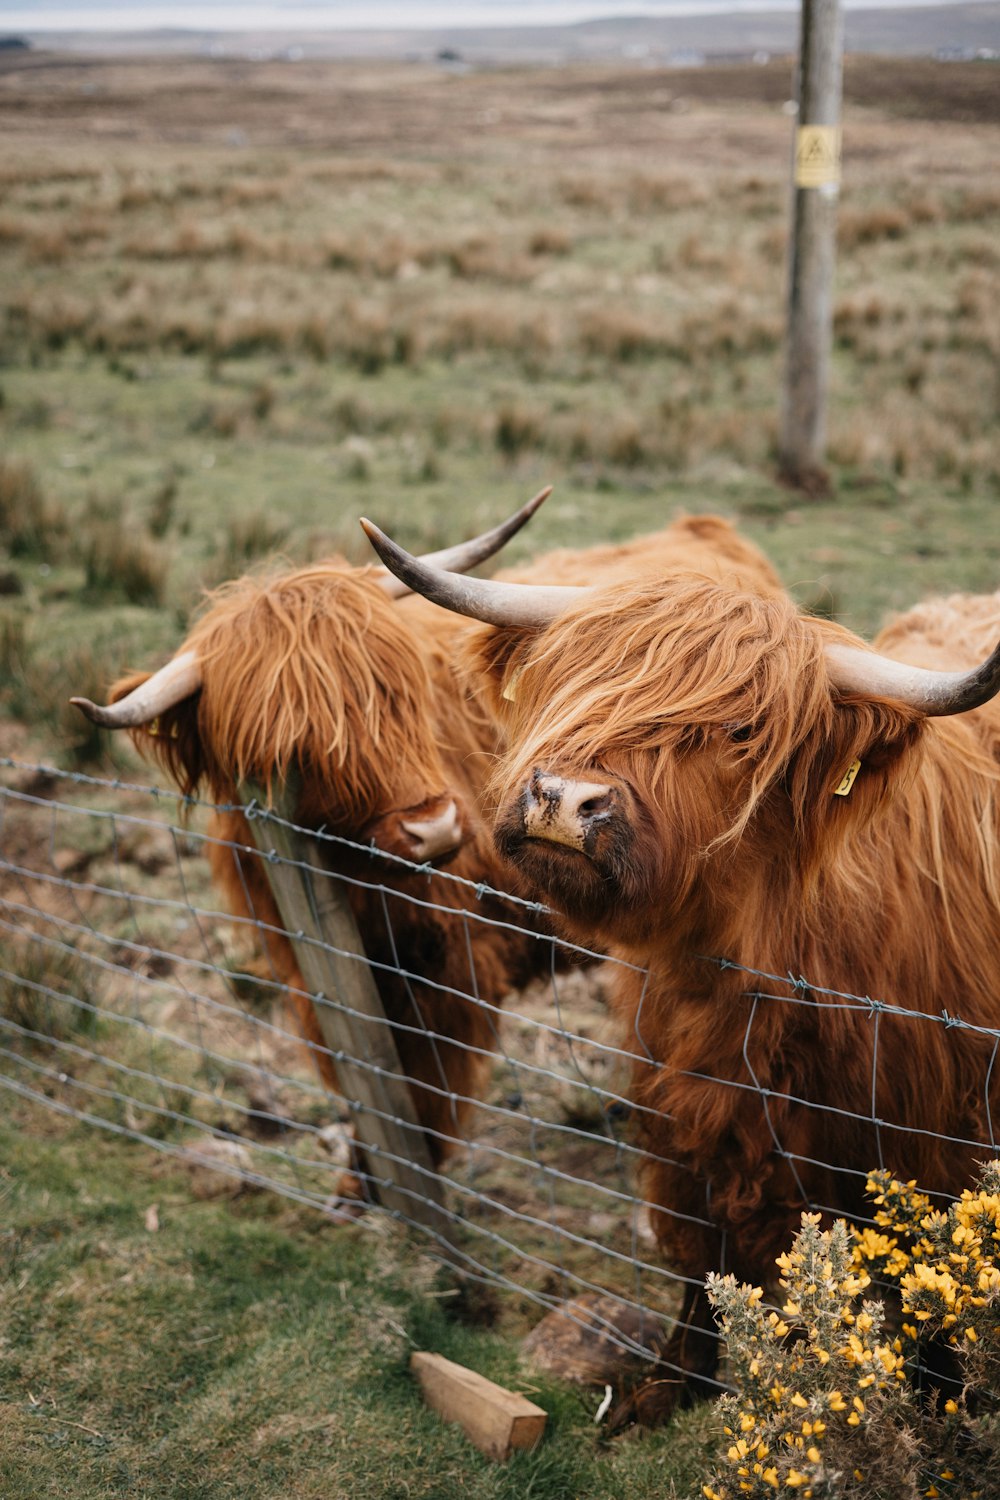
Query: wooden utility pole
x=816 y=186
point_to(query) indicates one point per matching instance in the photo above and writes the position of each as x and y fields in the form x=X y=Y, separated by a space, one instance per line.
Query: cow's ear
x=496 y=655
x=851 y=766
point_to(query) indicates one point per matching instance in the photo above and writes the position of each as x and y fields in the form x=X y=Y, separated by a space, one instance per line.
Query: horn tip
x=370 y=529
x=383 y=544
x=92 y=710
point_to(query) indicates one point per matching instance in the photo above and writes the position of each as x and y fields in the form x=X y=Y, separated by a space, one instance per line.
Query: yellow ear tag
x=848 y=779
x=510 y=686
x=156 y=733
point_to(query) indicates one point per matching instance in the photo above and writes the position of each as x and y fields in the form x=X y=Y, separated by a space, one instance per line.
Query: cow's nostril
x=592 y=807
x=585 y=801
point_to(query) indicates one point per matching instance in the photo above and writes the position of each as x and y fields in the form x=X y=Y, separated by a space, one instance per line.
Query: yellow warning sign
x=817 y=155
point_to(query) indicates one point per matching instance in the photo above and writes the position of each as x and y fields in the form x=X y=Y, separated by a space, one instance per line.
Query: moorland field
x=243 y=303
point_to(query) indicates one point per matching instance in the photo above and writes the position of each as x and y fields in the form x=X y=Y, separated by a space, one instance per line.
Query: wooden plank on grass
x=317 y=918
x=496 y=1420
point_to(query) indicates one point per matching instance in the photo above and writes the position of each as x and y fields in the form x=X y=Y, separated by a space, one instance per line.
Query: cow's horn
x=167 y=687
x=466 y=555
x=933 y=693
x=182 y=676
x=485 y=599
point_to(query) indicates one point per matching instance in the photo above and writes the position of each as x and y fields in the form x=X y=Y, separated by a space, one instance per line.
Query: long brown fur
x=315 y=673
x=710 y=711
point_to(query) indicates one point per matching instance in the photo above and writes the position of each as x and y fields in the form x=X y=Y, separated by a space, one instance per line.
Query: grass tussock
x=870 y=226
x=163 y=510
x=45 y=991
x=517 y=428
x=120 y=563
x=37 y=682
x=620 y=336
x=249 y=538
x=13 y=649
x=32 y=525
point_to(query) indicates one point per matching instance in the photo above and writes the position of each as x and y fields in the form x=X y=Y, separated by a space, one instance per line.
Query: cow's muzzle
x=435 y=835
x=566 y=812
x=435 y=830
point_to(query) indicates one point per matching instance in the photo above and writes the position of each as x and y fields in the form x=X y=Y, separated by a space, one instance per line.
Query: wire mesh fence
x=130 y=1000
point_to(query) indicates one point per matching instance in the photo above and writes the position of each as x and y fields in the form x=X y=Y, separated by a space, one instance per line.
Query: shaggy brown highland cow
x=697 y=773
x=319 y=674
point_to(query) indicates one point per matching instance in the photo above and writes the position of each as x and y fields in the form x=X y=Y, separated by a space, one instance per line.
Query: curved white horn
x=479 y=598
x=477 y=549
x=933 y=693
x=167 y=687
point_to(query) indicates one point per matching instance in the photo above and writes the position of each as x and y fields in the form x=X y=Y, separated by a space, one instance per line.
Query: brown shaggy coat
x=710 y=711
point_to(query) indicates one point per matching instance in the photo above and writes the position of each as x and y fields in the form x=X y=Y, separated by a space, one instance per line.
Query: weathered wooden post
x=812 y=255
x=331 y=957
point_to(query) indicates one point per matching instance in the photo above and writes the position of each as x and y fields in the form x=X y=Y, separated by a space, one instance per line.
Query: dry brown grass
x=594 y=290
x=868 y=226
x=31 y=523
x=118 y=560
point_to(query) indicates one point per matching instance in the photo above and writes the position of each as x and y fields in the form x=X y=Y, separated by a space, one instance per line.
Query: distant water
x=341 y=15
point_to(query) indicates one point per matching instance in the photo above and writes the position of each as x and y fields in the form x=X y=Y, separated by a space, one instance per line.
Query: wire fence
x=131 y=1001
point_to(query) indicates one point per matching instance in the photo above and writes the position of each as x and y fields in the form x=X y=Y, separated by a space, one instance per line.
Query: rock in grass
x=596 y=1339
x=218 y=1169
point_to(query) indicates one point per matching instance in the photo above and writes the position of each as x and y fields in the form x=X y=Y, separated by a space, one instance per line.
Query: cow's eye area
x=739 y=733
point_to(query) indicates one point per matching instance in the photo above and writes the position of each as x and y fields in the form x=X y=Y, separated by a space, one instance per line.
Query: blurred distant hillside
x=961 y=31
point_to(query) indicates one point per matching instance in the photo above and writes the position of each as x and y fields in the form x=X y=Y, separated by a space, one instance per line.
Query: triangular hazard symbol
x=815 y=150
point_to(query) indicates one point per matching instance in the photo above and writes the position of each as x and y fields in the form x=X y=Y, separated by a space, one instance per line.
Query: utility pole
x=816 y=186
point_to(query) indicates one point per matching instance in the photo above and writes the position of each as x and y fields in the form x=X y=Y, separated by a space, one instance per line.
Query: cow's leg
x=684 y=1374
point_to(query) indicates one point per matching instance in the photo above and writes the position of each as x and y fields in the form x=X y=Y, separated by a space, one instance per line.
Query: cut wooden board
x=496 y=1420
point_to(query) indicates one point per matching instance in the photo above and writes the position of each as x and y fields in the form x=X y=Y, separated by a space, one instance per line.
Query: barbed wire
x=131 y=1003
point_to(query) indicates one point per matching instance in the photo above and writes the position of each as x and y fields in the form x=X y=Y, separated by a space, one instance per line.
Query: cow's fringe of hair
x=313 y=668
x=738 y=664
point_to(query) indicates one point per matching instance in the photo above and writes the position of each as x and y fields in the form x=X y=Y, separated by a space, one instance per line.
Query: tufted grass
x=246 y=1348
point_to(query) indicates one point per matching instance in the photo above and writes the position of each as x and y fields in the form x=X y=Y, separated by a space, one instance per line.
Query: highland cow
x=325 y=676
x=707 y=782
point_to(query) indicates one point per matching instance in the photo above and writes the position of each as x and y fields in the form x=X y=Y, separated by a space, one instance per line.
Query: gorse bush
x=827 y=1404
x=947 y=1267
x=823 y=1399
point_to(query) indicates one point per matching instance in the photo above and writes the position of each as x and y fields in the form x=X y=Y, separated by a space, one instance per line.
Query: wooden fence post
x=812 y=252
x=318 y=919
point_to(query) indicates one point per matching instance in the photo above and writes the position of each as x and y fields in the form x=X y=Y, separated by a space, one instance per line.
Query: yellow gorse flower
x=825 y=1367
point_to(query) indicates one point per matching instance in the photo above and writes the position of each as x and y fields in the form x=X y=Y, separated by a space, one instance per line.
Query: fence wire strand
x=131 y=1003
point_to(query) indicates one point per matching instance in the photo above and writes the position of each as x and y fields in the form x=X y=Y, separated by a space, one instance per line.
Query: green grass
x=209 y=354
x=247 y=1349
x=279 y=342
